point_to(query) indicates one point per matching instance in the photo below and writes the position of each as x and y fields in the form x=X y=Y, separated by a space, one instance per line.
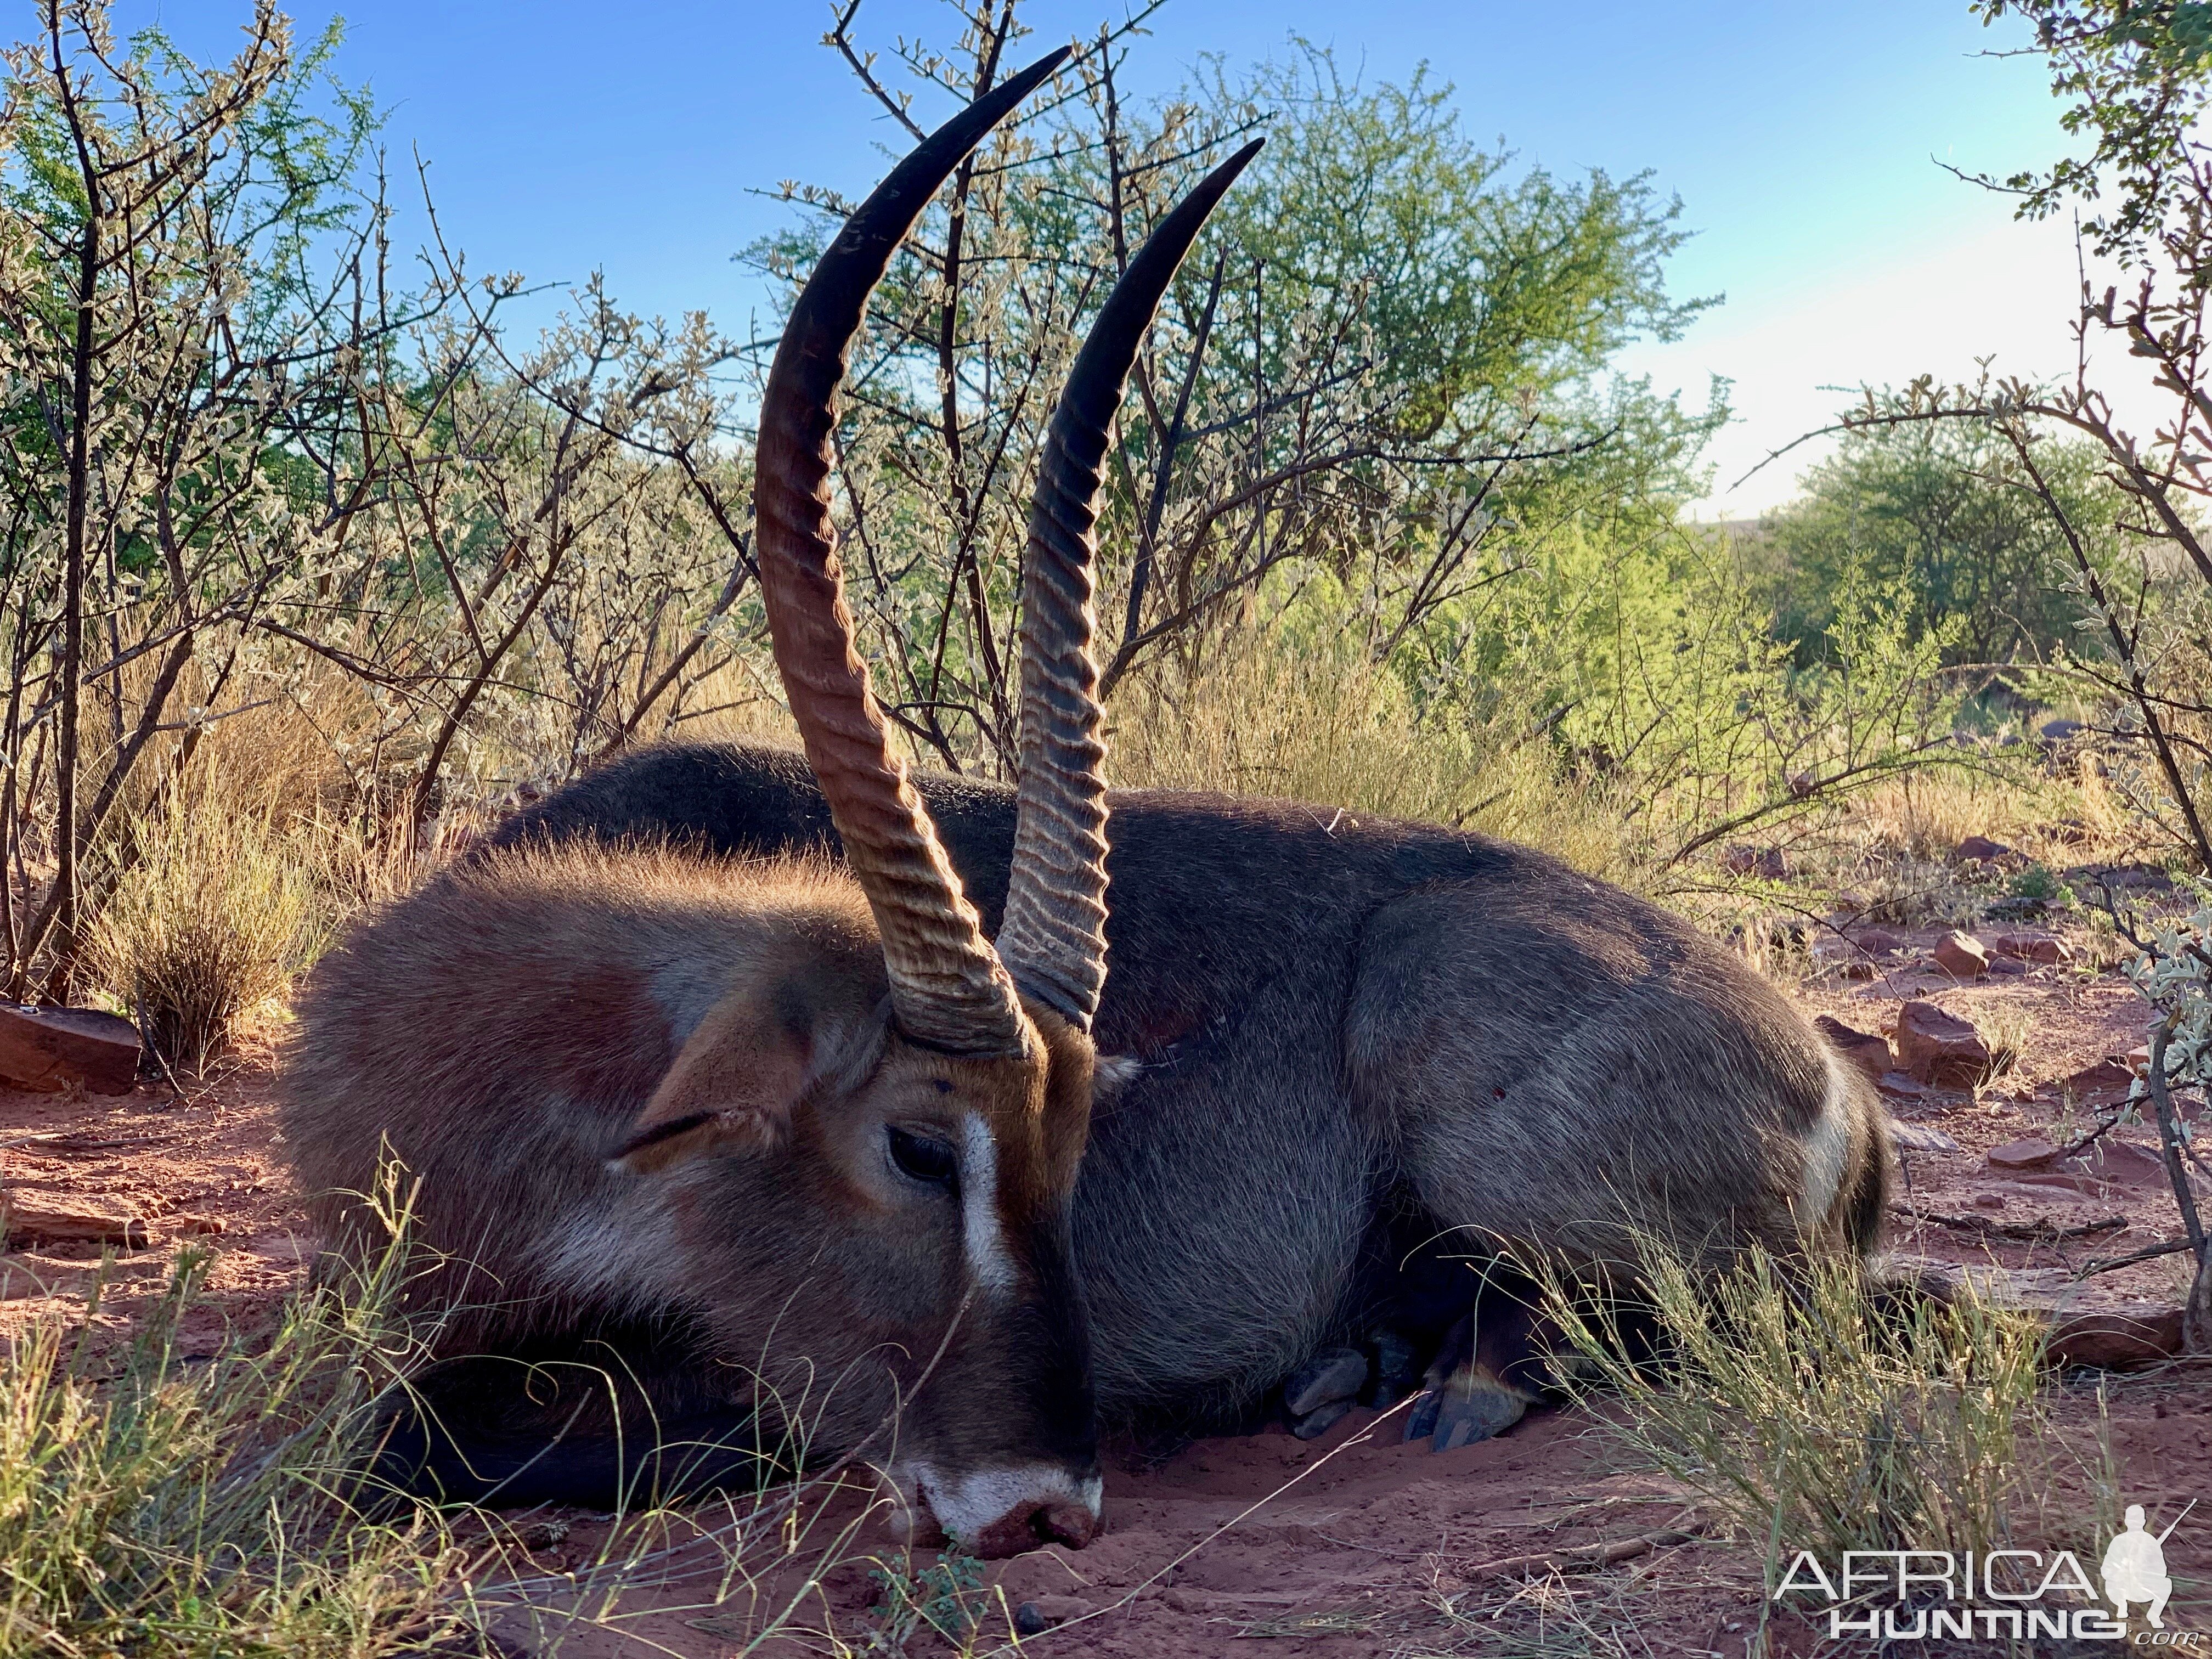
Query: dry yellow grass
x=1330 y=727
x=214 y=912
x=1799 y=1402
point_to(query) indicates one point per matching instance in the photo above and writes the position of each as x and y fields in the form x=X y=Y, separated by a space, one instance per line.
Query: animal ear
x=732 y=1089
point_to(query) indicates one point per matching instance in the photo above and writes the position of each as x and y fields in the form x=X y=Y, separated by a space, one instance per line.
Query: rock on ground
x=1935 y=1046
x=51 y=1048
x=63 y=1218
x=1961 y=956
x=1864 y=1049
x=2089 y=1325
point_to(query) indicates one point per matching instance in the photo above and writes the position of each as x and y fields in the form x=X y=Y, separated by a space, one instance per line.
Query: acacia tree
x=534 y=581
x=1940 y=507
x=1385 y=330
x=241 y=459
x=156 y=322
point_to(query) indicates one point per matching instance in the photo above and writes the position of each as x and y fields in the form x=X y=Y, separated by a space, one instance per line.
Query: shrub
x=1812 y=1411
x=214 y=912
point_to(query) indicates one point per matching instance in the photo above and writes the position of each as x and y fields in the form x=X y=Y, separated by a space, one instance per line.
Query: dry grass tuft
x=1811 y=1411
x=213 y=1507
x=2005 y=1028
x=198 y=1509
x=214 y=912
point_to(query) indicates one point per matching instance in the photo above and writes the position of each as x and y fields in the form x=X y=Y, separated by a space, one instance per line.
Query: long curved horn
x=947 y=988
x=1053 y=940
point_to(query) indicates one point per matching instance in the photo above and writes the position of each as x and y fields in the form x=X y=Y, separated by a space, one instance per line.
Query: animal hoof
x=1421 y=1421
x=1320 y=1419
x=1475 y=1405
x=1332 y=1375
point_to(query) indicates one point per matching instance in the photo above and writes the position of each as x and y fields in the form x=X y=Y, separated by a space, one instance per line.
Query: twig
x=2104 y=1264
x=146 y=1036
x=2196 y=1312
x=2090 y=1136
x=2033 y=1231
x=1587 y=1555
x=1364 y=1437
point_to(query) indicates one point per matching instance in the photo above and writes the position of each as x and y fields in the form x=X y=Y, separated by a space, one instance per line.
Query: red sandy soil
x=1356 y=1545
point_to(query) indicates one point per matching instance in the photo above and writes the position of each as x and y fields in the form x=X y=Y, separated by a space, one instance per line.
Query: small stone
x=1034 y=1618
x=1333 y=1374
x=2007 y=967
x=2030 y=1152
x=1980 y=849
x=1320 y=1420
x=1961 y=956
x=1765 y=862
x=1919 y=1138
x=1877 y=942
x=2105 y=1082
x=2109 y=1159
x=1936 y=1047
x=18 y=1280
x=50 y=1048
x=206 y=1225
x=2031 y=947
x=1898 y=1085
x=1989 y=1201
x=1843 y=956
x=1870 y=1053
x=2127 y=878
x=2138 y=1061
x=58 y=1219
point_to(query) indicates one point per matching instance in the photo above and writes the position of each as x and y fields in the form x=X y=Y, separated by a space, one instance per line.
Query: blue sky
x=1804 y=142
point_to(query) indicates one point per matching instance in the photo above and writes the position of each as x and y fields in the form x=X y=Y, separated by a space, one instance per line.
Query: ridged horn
x=1053 y=939
x=948 y=989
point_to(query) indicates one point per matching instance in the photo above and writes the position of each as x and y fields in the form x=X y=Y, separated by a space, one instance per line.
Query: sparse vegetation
x=946 y=1598
x=1797 y=1402
x=200 y=1504
x=215 y=909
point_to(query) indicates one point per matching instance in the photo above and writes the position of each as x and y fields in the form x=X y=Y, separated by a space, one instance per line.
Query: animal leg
x=1485 y=1376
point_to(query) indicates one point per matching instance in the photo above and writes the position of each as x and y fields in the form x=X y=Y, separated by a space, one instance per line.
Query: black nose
x=1035 y=1523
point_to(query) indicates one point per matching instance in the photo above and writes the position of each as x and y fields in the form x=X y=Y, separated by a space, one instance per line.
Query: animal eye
x=922 y=1157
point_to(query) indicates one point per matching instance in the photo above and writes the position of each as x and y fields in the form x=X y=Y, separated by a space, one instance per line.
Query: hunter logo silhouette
x=2133 y=1568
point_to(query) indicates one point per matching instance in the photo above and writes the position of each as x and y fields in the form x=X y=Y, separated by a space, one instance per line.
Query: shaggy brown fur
x=641 y=1090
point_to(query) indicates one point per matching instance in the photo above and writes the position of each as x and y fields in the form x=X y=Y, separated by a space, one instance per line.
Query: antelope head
x=934 y=1130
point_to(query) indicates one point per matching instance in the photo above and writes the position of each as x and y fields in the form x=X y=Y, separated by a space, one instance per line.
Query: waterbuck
x=1327 y=1042
x=1352 y=1037
x=710 y=1154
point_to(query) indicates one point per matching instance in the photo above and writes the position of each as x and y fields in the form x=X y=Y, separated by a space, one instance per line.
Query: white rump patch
x=987 y=1257
x=1827 y=1146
